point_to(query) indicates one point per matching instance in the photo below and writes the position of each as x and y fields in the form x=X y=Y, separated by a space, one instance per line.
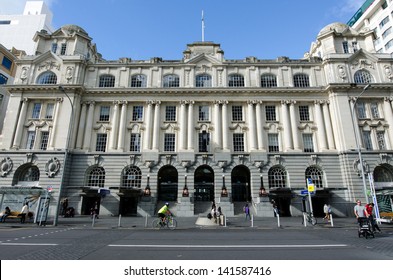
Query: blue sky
x=162 y=28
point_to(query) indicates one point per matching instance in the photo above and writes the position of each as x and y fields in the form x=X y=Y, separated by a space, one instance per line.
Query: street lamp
x=357 y=139
x=70 y=128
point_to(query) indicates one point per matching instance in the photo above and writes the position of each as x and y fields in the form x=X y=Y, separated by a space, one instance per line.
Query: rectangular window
x=7 y=63
x=381 y=140
x=368 y=145
x=104 y=113
x=54 y=47
x=387 y=32
x=30 y=140
x=270 y=113
x=384 y=22
x=204 y=141
x=345 y=47
x=170 y=113
x=237 y=113
x=238 y=142
x=308 y=143
x=137 y=113
x=63 y=49
x=101 y=142
x=272 y=139
x=5 y=22
x=361 y=109
x=304 y=113
x=169 y=142
x=44 y=140
x=355 y=46
x=135 y=143
x=204 y=113
x=49 y=111
x=36 y=111
x=374 y=110
x=3 y=79
x=388 y=45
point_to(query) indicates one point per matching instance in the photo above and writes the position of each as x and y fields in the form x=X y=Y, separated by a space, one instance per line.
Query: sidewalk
x=238 y=222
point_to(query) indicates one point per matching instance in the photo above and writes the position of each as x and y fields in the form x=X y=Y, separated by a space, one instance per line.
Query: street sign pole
x=310 y=188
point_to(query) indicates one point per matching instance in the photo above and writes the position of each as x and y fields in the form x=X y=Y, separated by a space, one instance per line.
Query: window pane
x=63 y=48
x=107 y=81
x=363 y=77
x=135 y=143
x=301 y=80
x=138 y=81
x=47 y=78
x=44 y=139
x=203 y=81
x=7 y=63
x=374 y=110
x=104 y=113
x=171 y=81
x=49 y=111
x=304 y=113
x=361 y=109
x=132 y=177
x=367 y=140
x=238 y=142
x=170 y=113
x=270 y=113
x=36 y=111
x=96 y=177
x=169 y=142
x=308 y=143
x=381 y=140
x=236 y=80
x=137 y=113
x=101 y=142
x=204 y=113
x=273 y=142
x=30 y=140
x=268 y=80
x=204 y=141
x=3 y=79
x=237 y=113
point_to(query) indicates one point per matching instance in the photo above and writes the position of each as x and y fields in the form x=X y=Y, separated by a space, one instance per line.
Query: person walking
x=369 y=213
x=246 y=210
x=326 y=210
x=359 y=210
x=24 y=212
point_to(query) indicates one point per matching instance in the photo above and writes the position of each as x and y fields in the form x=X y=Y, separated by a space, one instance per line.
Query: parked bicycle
x=310 y=219
x=168 y=222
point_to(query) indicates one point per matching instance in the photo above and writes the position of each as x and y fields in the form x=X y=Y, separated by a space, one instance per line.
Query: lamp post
x=357 y=139
x=70 y=128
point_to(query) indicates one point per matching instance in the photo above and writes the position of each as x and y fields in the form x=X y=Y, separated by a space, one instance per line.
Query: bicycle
x=168 y=222
x=310 y=219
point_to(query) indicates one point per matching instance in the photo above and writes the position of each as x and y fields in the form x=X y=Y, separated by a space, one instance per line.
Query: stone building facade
x=128 y=135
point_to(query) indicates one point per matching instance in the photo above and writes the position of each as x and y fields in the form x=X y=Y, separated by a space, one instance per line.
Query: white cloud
x=16 y=7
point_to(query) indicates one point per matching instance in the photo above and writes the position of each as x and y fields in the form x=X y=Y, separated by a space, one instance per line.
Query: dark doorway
x=167 y=183
x=240 y=180
x=88 y=203
x=282 y=198
x=128 y=206
x=204 y=183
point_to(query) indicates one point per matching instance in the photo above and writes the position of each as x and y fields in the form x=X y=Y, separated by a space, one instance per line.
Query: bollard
x=119 y=224
x=305 y=219
x=331 y=220
x=252 y=220
x=146 y=221
x=278 y=220
x=225 y=221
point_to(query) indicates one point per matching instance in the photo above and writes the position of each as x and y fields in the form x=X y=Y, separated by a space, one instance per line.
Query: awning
x=21 y=190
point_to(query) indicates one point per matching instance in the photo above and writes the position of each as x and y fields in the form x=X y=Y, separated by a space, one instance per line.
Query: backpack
x=209 y=216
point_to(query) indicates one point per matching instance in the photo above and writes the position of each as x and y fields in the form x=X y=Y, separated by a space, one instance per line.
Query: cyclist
x=164 y=212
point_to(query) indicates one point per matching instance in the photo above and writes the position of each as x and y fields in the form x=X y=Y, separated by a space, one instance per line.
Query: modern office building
x=17 y=31
x=376 y=15
x=129 y=135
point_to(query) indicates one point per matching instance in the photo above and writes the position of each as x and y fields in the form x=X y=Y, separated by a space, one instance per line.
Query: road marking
x=29 y=244
x=233 y=246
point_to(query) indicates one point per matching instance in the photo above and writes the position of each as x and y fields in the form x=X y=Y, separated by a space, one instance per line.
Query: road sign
x=311 y=188
x=49 y=188
x=304 y=192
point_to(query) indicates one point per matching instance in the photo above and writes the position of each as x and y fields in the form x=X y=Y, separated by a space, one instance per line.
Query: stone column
x=287 y=126
x=251 y=124
x=81 y=128
x=183 y=126
x=55 y=124
x=322 y=144
x=89 y=126
x=122 y=126
x=147 y=140
x=225 y=127
x=328 y=125
x=295 y=133
x=20 y=126
x=156 y=128
x=190 y=125
x=259 y=123
x=217 y=124
x=115 y=124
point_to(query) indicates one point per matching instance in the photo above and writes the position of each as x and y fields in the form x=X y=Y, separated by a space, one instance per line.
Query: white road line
x=28 y=244
x=232 y=246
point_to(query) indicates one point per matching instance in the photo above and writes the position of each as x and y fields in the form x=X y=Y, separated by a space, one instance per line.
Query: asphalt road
x=76 y=243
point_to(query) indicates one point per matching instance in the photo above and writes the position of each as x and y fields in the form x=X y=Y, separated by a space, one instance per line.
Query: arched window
x=236 y=80
x=363 y=77
x=277 y=177
x=138 y=81
x=96 y=177
x=132 y=177
x=107 y=81
x=316 y=175
x=268 y=80
x=47 y=78
x=203 y=80
x=171 y=80
x=301 y=80
x=30 y=174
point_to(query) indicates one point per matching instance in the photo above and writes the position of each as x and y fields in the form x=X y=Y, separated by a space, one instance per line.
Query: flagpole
x=203 y=28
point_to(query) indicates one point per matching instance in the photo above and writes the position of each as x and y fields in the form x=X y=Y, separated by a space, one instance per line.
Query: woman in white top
x=24 y=212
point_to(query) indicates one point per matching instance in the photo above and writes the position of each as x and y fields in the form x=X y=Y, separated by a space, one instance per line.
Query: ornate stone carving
x=49 y=65
x=69 y=74
x=5 y=166
x=388 y=72
x=24 y=73
x=342 y=73
x=52 y=167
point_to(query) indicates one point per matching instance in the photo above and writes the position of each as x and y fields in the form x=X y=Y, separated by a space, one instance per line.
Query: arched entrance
x=204 y=189
x=167 y=183
x=383 y=181
x=240 y=182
